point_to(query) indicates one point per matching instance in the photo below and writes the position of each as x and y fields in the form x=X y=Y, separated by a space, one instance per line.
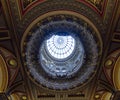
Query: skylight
x=60 y=47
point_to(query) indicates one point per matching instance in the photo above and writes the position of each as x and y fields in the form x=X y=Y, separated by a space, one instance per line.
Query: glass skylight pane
x=60 y=47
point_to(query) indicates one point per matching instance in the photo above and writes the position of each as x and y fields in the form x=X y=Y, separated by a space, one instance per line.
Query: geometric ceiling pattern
x=31 y=65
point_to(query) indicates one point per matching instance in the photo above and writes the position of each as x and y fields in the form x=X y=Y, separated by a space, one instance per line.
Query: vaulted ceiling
x=19 y=20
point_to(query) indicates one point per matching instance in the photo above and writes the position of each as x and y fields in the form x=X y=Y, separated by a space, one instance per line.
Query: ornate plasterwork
x=8 y=69
x=11 y=64
x=98 y=4
x=112 y=69
x=21 y=24
x=38 y=33
x=109 y=85
x=3 y=75
x=56 y=5
x=26 y=5
x=27 y=2
x=22 y=21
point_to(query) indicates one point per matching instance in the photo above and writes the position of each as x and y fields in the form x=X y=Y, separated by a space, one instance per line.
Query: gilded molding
x=54 y=5
x=27 y=31
x=11 y=66
x=116 y=74
x=3 y=75
x=37 y=22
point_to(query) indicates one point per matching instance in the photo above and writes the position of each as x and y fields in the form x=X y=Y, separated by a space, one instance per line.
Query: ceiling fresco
x=36 y=65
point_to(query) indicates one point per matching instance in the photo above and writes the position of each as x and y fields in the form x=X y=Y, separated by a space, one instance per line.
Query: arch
x=116 y=74
x=3 y=75
x=28 y=32
x=106 y=96
x=57 y=13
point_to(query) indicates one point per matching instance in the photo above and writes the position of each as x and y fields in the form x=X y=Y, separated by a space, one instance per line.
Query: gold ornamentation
x=24 y=98
x=36 y=23
x=14 y=96
x=3 y=75
x=13 y=62
x=116 y=74
x=108 y=63
x=106 y=96
x=27 y=2
x=97 y=96
x=56 y=13
x=97 y=3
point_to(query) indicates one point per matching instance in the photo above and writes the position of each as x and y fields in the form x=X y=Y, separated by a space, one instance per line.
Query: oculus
x=60 y=47
x=62 y=53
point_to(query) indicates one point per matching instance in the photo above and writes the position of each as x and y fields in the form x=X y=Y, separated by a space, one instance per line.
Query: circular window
x=60 y=47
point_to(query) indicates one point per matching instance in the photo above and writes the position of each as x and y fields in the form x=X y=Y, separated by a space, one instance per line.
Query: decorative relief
x=18 y=96
x=116 y=74
x=109 y=11
x=27 y=2
x=112 y=70
x=108 y=90
x=54 y=5
x=8 y=71
x=103 y=95
x=71 y=5
x=3 y=75
x=11 y=63
x=98 y=3
x=46 y=26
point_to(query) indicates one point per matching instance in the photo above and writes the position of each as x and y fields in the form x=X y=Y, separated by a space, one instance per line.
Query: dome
x=59 y=56
x=62 y=53
x=60 y=47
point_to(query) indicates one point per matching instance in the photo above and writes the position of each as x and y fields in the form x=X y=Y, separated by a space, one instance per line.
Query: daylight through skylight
x=60 y=47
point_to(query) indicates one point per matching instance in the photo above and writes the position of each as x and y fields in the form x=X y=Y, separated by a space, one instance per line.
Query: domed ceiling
x=59 y=49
